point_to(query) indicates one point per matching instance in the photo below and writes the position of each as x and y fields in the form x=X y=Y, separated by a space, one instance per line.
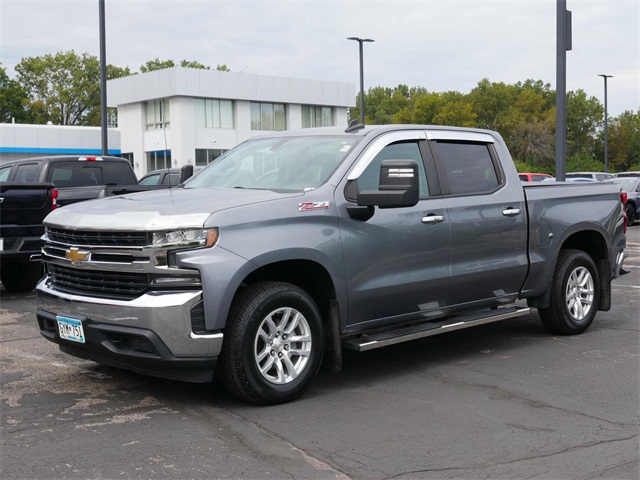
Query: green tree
x=624 y=141
x=584 y=118
x=13 y=100
x=157 y=64
x=64 y=88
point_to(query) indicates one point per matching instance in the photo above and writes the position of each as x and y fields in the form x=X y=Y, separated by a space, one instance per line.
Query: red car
x=533 y=177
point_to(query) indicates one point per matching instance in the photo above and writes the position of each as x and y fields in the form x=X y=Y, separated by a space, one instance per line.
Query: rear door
x=487 y=216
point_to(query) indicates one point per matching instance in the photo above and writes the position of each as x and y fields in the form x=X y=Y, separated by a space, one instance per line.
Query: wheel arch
x=594 y=244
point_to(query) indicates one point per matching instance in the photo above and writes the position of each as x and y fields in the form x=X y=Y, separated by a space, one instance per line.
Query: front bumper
x=151 y=334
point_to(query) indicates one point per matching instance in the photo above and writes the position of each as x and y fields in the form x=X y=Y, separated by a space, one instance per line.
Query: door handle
x=511 y=212
x=432 y=219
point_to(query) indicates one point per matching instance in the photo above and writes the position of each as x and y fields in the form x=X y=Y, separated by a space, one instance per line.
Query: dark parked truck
x=23 y=207
x=296 y=245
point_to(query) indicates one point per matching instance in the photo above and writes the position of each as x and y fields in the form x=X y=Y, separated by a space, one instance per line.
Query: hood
x=156 y=210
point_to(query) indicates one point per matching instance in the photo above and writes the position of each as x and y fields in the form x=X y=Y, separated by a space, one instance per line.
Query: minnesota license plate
x=70 y=329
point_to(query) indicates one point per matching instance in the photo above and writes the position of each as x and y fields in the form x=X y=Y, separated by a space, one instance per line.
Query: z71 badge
x=307 y=206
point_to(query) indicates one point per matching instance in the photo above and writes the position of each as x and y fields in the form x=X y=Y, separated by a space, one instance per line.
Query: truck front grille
x=100 y=283
x=90 y=238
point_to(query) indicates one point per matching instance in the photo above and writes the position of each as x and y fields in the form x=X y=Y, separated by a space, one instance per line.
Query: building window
x=316 y=116
x=128 y=156
x=206 y=156
x=268 y=116
x=212 y=113
x=158 y=114
x=158 y=159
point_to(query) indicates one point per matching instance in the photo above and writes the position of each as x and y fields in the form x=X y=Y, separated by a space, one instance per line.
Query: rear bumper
x=20 y=249
x=151 y=334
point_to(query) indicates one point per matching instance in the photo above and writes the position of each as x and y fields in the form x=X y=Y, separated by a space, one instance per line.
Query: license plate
x=70 y=329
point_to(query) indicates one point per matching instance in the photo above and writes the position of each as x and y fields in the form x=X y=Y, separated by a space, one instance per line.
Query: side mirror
x=186 y=172
x=398 y=186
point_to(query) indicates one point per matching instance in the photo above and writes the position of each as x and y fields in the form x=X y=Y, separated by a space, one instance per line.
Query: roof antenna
x=354 y=126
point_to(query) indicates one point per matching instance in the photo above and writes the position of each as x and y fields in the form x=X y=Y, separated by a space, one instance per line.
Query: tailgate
x=23 y=205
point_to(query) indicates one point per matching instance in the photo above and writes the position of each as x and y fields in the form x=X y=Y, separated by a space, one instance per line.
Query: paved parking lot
x=505 y=400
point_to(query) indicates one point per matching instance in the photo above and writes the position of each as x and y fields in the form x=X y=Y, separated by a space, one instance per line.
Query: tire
x=575 y=292
x=631 y=214
x=260 y=363
x=21 y=277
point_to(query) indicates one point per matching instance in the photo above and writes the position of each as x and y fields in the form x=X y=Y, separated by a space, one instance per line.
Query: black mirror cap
x=186 y=172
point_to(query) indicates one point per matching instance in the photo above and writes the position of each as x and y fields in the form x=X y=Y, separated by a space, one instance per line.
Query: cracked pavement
x=501 y=401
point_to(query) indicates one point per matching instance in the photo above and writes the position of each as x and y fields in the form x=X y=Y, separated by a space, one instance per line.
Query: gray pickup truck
x=297 y=245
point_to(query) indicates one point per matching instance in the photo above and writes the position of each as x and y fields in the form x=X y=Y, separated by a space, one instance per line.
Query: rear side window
x=150 y=180
x=27 y=173
x=118 y=173
x=469 y=167
x=84 y=174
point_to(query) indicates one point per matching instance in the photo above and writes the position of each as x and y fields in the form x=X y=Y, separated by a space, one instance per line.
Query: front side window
x=282 y=164
x=268 y=116
x=317 y=116
x=158 y=114
x=213 y=113
x=408 y=150
x=468 y=166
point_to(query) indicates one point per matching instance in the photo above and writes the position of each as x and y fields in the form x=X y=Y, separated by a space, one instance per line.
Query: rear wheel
x=631 y=213
x=273 y=343
x=575 y=291
x=21 y=277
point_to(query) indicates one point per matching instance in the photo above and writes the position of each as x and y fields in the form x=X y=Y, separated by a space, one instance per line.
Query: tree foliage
x=64 y=88
x=13 y=100
x=157 y=64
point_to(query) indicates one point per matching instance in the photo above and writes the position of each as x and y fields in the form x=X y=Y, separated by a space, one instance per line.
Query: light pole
x=606 y=124
x=360 y=42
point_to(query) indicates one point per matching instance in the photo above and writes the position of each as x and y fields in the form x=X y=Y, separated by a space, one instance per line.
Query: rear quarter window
x=26 y=173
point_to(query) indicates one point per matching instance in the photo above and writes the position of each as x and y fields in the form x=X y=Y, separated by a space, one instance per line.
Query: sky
x=435 y=44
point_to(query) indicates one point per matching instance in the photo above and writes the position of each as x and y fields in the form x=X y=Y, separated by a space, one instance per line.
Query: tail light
x=54 y=199
x=623 y=199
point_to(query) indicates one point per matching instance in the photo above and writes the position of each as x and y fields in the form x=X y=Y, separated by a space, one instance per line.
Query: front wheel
x=575 y=290
x=273 y=343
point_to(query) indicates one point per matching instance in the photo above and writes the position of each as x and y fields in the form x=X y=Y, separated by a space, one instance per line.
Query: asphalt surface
x=501 y=401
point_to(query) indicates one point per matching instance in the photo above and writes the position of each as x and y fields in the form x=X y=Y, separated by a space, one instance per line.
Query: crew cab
x=297 y=245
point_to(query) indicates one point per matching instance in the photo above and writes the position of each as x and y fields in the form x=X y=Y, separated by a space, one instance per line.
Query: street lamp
x=606 y=124
x=360 y=42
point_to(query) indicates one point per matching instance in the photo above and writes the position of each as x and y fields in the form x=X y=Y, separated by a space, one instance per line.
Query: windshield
x=282 y=163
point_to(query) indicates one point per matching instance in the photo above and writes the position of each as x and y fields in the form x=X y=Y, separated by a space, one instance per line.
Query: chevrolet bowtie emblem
x=75 y=255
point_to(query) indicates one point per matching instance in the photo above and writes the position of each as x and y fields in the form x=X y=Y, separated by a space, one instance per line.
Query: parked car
x=30 y=188
x=165 y=176
x=628 y=174
x=596 y=176
x=572 y=180
x=631 y=185
x=296 y=245
x=533 y=177
x=23 y=207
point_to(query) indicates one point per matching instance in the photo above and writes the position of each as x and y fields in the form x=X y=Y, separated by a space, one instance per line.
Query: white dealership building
x=179 y=116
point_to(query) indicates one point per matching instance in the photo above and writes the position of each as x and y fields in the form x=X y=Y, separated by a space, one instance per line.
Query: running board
x=391 y=337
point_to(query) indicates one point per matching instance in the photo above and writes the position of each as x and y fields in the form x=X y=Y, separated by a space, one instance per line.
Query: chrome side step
x=392 y=337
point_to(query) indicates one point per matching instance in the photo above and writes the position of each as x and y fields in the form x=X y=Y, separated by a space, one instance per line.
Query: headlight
x=202 y=237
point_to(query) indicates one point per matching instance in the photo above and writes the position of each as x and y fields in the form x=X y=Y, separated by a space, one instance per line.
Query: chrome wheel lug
x=286 y=347
x=273 y=353
x=280 y=355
